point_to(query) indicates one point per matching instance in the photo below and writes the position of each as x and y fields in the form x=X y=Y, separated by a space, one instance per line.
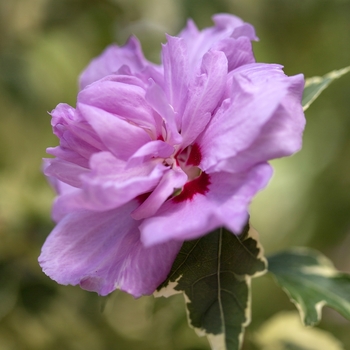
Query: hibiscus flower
x=155 y=155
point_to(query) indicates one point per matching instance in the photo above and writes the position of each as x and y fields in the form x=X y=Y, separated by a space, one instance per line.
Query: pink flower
x=155 y=155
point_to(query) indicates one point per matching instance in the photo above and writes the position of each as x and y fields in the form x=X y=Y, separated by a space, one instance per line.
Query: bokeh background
x=44 y=45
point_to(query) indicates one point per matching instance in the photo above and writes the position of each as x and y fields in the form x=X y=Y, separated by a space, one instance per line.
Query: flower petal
x=233 y=213
x=103 y=252
x=157 y=99
x=200 y=42
x=62 y=115
x=234 y=25
x=224 y=204
x=59 y=186
x=66 y=172
x=111 y=183
x=176 y=73
x=172 y=179
x=152 y=149
x=77 y=141
x=206 y=90
x=257 y=92
x=121 y=99
x=112 y=59
x=119 y=136
x=179 y=221
x=281 y=136
x=238 y=51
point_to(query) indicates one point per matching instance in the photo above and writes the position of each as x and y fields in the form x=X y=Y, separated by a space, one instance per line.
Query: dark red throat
x=200 y=185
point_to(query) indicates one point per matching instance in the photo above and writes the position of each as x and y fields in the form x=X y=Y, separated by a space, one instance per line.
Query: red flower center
x=198 y=181
x=198 y=185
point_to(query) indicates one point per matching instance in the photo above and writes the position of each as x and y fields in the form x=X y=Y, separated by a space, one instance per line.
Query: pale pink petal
x=111 y=183
x=64 y=171
x=67 y=154
x=238 y=51
x=102 y=252
x=206 y=90
x=226 y=26
x=152 y=149
x=112 y=59
x=176 y=74
x=77 y=140
x=225 y=204
x=154 y=73
x=120 y=137
x=190 y=33
x=127 y=78
x=62 y=115
x=180 y=221
x=232 y=211
x=156 y=98
x=130 y=103
x=59 y=186
x=257 y=92
x=172 y=180
x=234 y=25
x=281 y=136
x=68 y=199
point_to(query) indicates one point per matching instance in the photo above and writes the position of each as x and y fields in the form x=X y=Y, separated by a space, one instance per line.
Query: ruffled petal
x=120 y=137
x=77 y=141
x=172 y=179
x=257 y=92
x=226 y=26
x=157 y=99
x=179 y=221
x=66 y=172
x=111 y=59
x=176 y=74
x=152 y=149
x=111 y=184
x=234 y=25
x=120 y=98
x=59 y=186
x=206 y=90
x=68 y=155
x=62 y=116
x=68 y=199
x=281 y=136
x=238 y=51
x=225 y=204
x=233 y=210
x=102 y=252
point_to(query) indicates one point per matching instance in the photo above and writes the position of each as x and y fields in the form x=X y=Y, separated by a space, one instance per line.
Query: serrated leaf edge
x=330 y=271
x=318 y=307
x=253 y=233
x=168 y=290
x=218 y=341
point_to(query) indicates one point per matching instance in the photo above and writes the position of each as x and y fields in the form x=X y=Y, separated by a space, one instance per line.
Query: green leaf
x=214 y=273
x=311 y=282
x=314 y=86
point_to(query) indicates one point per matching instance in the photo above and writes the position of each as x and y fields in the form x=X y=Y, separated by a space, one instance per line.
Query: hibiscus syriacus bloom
x=155 y=155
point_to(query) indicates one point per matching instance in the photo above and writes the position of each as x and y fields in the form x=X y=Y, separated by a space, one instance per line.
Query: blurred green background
x=44 y=45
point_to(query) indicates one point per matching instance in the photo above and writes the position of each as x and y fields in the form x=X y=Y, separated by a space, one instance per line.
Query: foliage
x=214 y=273
x=311 y=281
x=314 y=86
